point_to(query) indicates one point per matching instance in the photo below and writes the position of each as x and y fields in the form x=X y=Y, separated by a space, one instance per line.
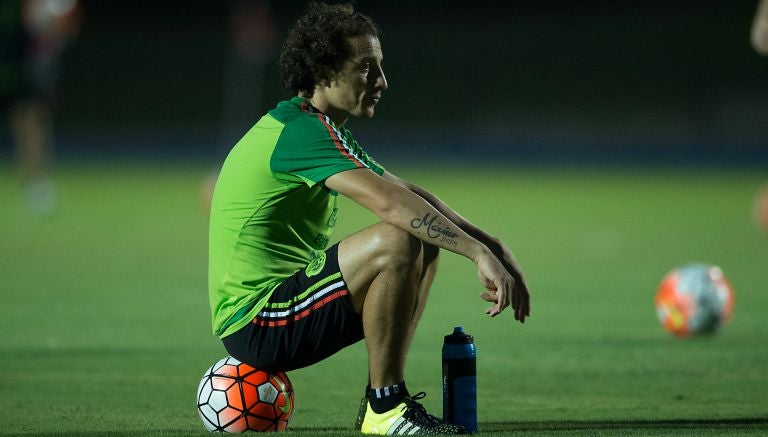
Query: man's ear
x=328 y=77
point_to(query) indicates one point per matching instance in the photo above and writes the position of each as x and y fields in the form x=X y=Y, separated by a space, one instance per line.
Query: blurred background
x=521 y=82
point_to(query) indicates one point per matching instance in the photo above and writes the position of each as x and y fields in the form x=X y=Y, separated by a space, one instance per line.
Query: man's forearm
x=493 y=244
x=417 y=215
x=455 y=217
x=412 y=209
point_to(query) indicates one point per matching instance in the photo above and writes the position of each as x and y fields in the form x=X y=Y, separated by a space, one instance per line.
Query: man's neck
x=322 y=105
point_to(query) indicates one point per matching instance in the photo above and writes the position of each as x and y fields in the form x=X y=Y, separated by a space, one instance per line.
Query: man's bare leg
x=388 y=274
x=30 y=127
x=382 y=266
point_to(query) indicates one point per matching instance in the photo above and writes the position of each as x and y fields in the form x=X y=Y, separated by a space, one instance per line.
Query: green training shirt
x=271 y=214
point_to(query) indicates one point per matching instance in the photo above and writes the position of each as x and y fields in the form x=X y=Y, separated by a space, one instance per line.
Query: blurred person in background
x=34 y=35
x=251 y=34
x=759 y=38
x=280 y=298
x=759 y=34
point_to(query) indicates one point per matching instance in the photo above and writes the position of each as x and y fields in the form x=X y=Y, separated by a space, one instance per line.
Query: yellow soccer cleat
x=361 y=413
x=407 y=418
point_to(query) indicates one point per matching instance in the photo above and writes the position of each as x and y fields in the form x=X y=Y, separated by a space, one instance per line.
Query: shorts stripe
x=307 y=292
x=306 y=319
x=266 y=314
x=271 y=323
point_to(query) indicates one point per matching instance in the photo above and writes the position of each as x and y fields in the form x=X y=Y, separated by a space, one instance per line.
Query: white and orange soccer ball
x=234 y=397
x=694 y=299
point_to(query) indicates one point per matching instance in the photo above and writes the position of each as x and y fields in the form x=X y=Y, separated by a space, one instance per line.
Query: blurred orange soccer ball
x=694 y=299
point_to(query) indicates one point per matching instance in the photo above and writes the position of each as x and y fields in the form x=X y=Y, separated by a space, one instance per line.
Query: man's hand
x=520 y=297
x=497 y=281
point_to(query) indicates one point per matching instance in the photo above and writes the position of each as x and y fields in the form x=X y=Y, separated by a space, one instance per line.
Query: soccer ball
x=235 y=397
x=694 y=299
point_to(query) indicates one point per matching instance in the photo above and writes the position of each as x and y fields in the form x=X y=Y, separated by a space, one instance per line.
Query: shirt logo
x=321 y=241
x=316 y=265
x=332 y=218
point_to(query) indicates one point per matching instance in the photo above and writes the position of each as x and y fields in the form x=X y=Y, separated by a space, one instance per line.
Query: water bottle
x=460 y=379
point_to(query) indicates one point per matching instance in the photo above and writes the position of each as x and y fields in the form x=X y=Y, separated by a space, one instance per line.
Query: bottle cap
x=459 y=337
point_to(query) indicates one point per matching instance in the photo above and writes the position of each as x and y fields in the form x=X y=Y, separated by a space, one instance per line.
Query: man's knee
x=398 y=246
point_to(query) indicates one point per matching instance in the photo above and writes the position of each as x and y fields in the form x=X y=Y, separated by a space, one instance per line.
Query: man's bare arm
x=497 y=247
x=401 y=207
x=454 y=216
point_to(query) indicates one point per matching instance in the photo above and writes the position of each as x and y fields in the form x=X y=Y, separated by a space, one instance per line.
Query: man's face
x=357 y=88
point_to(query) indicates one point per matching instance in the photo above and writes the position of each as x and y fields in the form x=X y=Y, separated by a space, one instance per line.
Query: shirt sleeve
x=313 y=149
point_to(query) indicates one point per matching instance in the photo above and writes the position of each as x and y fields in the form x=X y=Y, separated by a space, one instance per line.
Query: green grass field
x=104 y=316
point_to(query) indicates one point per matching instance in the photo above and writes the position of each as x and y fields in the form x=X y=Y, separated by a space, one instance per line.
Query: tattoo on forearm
x=435 y=230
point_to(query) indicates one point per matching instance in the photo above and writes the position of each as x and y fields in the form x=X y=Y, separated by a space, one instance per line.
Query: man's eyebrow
x=365 y=58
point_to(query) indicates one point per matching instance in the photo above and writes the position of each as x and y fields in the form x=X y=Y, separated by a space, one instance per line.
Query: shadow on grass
x=747 y=423
x=302 y=431
x=580 y=428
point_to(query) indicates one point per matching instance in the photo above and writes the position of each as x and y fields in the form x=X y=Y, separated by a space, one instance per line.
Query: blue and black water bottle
x=460 y=379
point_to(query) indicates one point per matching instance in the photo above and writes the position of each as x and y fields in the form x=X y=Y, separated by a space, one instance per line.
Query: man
x=759 y=34
x=33 y=36
x=280 y=299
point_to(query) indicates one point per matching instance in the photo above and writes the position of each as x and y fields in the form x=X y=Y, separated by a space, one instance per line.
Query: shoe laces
x=415 y=412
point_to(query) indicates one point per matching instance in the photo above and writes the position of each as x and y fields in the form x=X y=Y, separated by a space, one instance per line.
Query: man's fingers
x=488 y=297
x=516 y=294
x=503 y=296
x=525 y=303
x=493 y=298
x=516 y=302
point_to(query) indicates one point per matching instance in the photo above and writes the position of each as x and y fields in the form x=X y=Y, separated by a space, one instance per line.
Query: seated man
x=280 y=299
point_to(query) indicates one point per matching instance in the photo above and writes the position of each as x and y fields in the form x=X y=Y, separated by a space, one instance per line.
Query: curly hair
x=317 y=45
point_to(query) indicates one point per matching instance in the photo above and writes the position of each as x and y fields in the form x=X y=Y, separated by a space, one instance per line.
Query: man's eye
x=365 y=67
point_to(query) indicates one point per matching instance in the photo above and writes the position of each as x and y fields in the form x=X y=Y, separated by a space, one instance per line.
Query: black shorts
x=307 y=319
